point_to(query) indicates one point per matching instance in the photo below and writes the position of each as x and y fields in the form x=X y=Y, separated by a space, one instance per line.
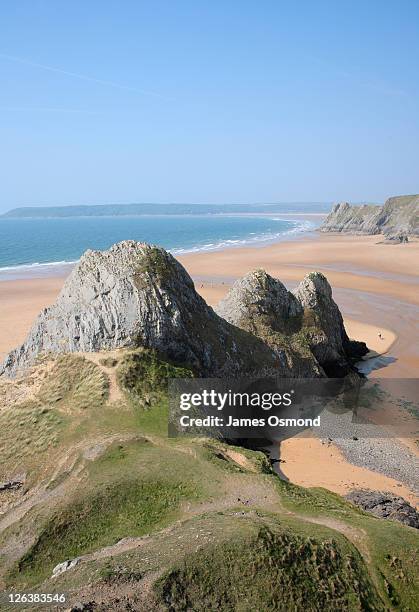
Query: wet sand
x=328 y=468
x=376 y=286
x=360 y=263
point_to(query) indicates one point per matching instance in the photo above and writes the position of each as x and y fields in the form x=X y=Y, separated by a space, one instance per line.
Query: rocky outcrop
x=398 y=216
x=385 y=505
x=261 y=305
x=11 y=485
x=304 y=327
x=259 y=295
x=64 y=566
x=137 y=295
x=134 y=295
x=396 y=239
x=352 y=219
x=324 y=328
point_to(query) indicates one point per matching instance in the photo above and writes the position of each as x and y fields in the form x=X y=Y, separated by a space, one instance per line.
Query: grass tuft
x=74 y=384
x=272 y=570
x=143 y=375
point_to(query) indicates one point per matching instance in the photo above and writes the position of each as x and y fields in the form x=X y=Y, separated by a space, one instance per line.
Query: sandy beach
x=328 y=468
x=376 y=286
x=360 y=270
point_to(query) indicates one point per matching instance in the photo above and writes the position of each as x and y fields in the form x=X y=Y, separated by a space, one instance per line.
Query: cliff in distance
x=137 y=295
x=121 y=210
x=398 y=216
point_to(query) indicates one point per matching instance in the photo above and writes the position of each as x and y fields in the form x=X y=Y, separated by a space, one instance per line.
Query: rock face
x=133 y=295
x=304 y=327
x=398 y=216
x=324 y=327
x=259 y=294
x=137 y=295
x=385 y=505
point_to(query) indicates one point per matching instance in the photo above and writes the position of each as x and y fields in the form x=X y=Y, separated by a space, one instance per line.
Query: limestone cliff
x=398 y=216
x=137 y=295
x=323 y=326
x=133 y=295
x=304 y=327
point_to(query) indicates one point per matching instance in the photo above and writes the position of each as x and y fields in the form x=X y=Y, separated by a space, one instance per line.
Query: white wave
x=268 y=237
x=36 y=264
x=299 y=227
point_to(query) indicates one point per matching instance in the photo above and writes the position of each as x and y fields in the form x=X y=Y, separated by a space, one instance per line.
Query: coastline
x=300 y=225
x=374 y=284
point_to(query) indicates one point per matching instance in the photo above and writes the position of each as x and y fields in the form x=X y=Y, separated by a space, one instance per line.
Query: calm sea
x=38 y=247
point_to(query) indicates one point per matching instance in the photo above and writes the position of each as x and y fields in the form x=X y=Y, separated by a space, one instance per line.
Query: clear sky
x=116 y=101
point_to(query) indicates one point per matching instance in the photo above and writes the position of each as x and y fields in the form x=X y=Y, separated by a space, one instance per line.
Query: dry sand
x=20 y=303
x=358 y=268
x=376 y=286
x=361 y=263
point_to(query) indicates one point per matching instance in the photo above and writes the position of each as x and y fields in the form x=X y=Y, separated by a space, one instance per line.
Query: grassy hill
x=172 y=524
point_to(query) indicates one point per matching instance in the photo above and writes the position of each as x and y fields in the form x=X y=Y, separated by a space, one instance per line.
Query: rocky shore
x=397 y=219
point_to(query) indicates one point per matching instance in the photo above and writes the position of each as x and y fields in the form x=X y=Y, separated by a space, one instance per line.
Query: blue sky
x=207 y=101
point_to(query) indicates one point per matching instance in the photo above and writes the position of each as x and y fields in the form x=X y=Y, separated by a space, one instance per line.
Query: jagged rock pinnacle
x=135 y=294
x=304 y=327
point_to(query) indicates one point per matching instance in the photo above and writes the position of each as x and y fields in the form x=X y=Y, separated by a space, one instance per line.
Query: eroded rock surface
x=324 y=327
x=385 y=505
x=138 y=295
x=305 y=327
x=133 y=295
x=64 y=566
x=398 y=216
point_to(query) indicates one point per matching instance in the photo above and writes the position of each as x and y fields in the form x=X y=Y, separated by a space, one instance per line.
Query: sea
x=37 y=247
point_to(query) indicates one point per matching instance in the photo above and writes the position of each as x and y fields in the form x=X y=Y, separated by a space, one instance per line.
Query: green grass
x=232 y=560
x=133 y=488
x=154 y=420
x=217 y=452
x=392 y=547
x=155 y=262
x=271 y=567
x=143 y=375
x=108 y=362
x=394 y=551
x=32 y=429
x=258 y=561
x=130 y=507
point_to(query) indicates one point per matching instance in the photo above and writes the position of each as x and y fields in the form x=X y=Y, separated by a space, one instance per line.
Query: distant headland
x=398 y=217
x=119 y=210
